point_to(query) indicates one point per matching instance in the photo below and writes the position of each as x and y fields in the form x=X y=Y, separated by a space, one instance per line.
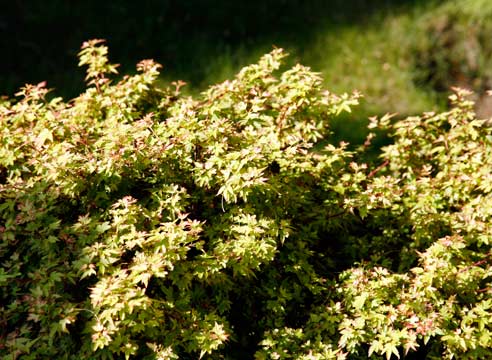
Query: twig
x=478 y=263
x=376 y=170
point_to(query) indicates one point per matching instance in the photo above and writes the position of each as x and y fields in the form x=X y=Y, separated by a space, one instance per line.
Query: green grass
x=373 y=56
x=389 y=57
x=395 y=52
x=375 y=59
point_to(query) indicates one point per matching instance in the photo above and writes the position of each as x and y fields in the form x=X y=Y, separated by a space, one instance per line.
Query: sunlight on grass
x=374 y=60
x=398 y=58
x=374 y=57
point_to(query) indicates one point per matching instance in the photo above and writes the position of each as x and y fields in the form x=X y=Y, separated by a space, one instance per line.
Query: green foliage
x=137 y=222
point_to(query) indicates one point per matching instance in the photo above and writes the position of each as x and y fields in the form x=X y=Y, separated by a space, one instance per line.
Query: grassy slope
x=373 y=48
x=403 y=59
x=373 y=55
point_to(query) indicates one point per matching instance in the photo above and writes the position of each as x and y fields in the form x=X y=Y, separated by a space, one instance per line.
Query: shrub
x=140 y=223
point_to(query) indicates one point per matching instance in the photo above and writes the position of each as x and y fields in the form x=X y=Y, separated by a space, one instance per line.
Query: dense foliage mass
x=140 y=223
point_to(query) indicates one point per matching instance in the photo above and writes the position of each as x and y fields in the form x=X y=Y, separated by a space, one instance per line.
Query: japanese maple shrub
x=136 y=222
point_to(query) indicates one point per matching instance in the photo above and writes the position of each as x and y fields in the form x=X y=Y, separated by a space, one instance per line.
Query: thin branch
x=379 y=168
x=479 y=262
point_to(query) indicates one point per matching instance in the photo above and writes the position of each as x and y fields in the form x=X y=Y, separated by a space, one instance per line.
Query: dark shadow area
x=40 y=40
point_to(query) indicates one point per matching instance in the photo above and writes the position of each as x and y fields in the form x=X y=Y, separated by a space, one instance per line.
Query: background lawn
x=402 y=55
